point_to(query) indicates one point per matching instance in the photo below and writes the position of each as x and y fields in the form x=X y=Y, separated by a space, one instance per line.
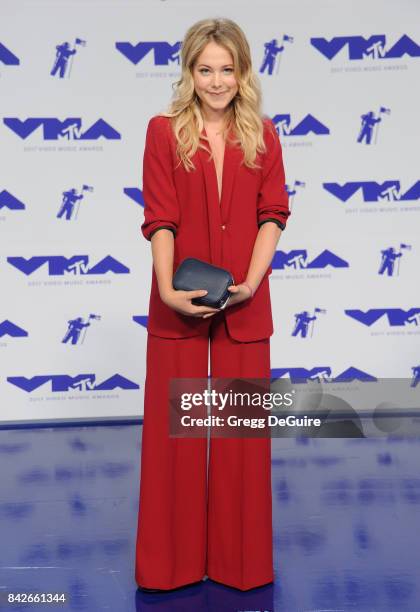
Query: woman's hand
x=240 y=294
x=181 y=302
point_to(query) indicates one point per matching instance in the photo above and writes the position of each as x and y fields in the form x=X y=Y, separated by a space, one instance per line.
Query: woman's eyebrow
x=225 y=66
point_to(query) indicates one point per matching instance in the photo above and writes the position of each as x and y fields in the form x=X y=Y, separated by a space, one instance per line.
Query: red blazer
x=222 y=234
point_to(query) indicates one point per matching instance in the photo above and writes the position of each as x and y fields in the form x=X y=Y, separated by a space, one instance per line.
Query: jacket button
x=223 y=226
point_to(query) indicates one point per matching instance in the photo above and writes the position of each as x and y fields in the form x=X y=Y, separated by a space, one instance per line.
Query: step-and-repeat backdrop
x=79 y=82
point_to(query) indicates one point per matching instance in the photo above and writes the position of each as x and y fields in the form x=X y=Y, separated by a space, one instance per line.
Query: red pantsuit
x=185 y=532
x=190 y=525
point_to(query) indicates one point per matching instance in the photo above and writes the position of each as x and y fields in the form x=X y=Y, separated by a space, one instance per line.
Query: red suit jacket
x=220 y=233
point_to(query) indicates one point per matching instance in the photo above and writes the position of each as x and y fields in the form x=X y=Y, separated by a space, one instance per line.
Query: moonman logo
x=135 y=194
x=62 y=382
x=396 y=317
x=371 y=191
x=71 y=201
x=59 y=265
x=273 y=54
x=8 y=200
x=298 y=260
x=64 y=56
x=7 y=328
x=163 y=52
x=54 y=129
x=305 y=321
x=360 y=48
x=321 y=374
x=308 y=125
x=370 y=125
x=390 y=259
x=77 y=328
x=7 y=57
x=292 y=191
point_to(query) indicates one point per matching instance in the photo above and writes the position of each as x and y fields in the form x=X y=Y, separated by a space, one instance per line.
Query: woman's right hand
x=180 y=301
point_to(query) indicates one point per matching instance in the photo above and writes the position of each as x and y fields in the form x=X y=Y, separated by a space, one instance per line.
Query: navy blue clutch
x=195 y=274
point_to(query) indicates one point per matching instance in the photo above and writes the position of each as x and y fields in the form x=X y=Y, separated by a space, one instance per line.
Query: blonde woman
x=214 y=189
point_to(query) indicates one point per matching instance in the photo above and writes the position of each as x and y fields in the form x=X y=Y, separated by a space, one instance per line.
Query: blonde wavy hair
x=243 y=116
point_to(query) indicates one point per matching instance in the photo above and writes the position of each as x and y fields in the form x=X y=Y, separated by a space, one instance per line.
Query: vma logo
x=308 y=125
x=54 y=129
x=388 y=191
x=321 y=374
x=163 y=52
x=62 y=382
x=141 y=320
x=7 y=57
x=135 y=194
x=59 y=265
x=7 y=200
x=360 y=48
x=7 y=328
x=298 y=260
x=396 y=317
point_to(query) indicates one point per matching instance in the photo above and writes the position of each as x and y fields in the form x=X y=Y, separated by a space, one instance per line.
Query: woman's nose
x=216 y=79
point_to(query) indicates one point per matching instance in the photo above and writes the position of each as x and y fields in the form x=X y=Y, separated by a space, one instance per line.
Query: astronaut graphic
x=76 y=327
x=416 y=376
x=70 y=200
x=270 y=54
x=390 y=257
x=370 y=121
x=303 y=321
x=64 y=56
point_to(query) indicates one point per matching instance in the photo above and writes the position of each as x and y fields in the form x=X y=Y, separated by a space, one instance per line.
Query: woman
x=214 y=189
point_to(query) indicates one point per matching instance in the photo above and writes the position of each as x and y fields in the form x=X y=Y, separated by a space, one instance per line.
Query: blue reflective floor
x=346 y=520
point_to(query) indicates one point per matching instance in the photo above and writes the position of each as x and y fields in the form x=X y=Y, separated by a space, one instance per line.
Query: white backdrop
x=353 y=200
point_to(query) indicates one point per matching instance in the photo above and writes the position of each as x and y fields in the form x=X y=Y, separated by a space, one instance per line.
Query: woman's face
x=214 y=80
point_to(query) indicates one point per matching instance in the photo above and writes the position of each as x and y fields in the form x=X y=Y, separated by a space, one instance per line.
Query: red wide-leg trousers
x=192 y=523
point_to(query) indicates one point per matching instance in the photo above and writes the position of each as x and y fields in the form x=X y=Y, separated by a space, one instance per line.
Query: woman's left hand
x=240 y=293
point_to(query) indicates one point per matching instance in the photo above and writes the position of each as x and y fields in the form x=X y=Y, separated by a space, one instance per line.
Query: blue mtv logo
x=273 y=54
x=390 y=259
x=7 y=57
x=135 y=194
x=297 y=259
x=396 y=317
x=81 y=382
x=321 y=374
x=415 y=376
x=64 y=56
x=7 y=328
x=141 y=319
x=77 y=329
x=163 y=52
x=308 y=125
x=305 y=321
x=54 y=129
x=372 y=191
x=359 y=48
x=59 y=265
x=8 y=200
x=292 y=190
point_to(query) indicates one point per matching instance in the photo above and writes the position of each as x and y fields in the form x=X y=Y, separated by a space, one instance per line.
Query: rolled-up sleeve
x=272 y=203
x=161 y=208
